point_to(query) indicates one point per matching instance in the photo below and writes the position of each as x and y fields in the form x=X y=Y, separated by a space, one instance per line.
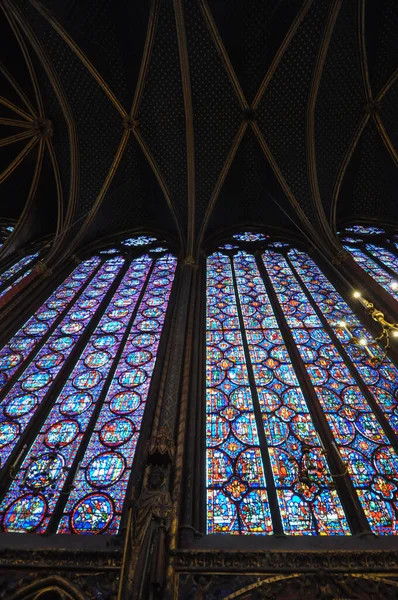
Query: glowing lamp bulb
x=363 y=342
x=395 y=333
x=394 y=285
x=342 y=324
x=357 y=294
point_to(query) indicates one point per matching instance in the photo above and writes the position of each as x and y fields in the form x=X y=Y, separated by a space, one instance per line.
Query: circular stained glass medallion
x=104 y=341
x=143 y=340
x=118 y=313
x=116 y=432
x=35 y=328
x=132 y=378
x=21 y=343
x=78 y=276
x=92 y=514
x=97 y=359
x=25 y=514
x=93 y=293
x=48 y=361
x=56 y=304
x=20 y=405
x=111 y=326
x=155 y=301
x=161 y=281
x=72 y=327
x=76 y=404
x=105 y=469
x=125 y=402
x=79 y=315
x=139 y=357
x=123 y=302
x=64 y=294
x=61 y=343
x=87 y=380
x=8 y=432
x=44 y=470
x=100 y=285
x=152 y=313
x=62 y=433
x=148 y=325
x=36 y=381
x=46 y=315
x=86 y=303
x=9 y=361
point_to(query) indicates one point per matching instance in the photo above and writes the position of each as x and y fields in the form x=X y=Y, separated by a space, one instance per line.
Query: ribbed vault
x=193 y=116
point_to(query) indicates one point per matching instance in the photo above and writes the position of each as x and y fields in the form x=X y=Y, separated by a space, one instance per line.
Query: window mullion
x=272 y=495
x=353 y=510
x=350 y=365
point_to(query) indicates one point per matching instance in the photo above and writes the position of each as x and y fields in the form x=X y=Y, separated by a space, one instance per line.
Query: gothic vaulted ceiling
x=189 y=117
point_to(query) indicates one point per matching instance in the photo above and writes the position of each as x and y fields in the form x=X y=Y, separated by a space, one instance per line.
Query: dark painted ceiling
x=189 y=117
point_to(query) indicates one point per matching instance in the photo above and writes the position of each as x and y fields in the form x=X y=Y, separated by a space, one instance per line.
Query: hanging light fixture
x=388 y=330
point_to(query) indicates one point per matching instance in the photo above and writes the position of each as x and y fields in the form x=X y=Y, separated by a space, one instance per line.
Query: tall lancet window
x=15 y=271
x=301 y=424
x=376 y=251
x=75 y=383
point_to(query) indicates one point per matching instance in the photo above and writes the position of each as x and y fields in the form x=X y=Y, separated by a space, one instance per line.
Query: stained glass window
x=321 y=411
x=376 y=252
x=17 y=271
x=82 y=366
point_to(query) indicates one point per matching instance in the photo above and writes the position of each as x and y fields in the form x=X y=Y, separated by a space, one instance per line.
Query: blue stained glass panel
x=374 y=270
x=364 y=230
x=249 y=236
x=385 y=256
x=96 y=502
x=237 y=500
x=14 y=269
x=309 y=508
x=69 y=417
x=37 y=378
x=32 y=332
x=357 y=433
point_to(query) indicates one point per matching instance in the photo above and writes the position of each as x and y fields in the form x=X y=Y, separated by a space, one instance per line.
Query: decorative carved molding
x=53 y=559
x=243 y=561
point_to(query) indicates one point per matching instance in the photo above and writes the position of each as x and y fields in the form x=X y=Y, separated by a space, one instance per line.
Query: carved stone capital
x=190 y=261
x=42 y=269
x=340 y=257
x=161 y=449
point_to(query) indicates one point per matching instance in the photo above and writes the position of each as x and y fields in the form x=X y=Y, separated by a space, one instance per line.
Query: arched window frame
x=229 y=247
x=359 y=238
x=128 y=250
